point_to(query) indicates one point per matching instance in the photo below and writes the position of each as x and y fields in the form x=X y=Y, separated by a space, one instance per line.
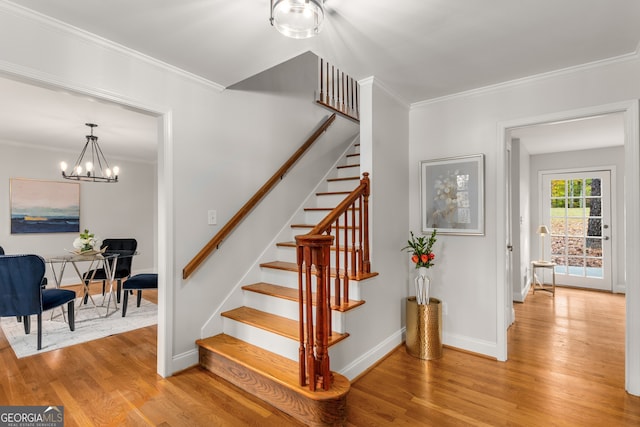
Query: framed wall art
x=44 y=206
x=452 y=195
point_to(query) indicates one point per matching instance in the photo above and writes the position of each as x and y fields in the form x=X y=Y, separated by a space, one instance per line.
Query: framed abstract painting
x=44 y=206
x=452 y=195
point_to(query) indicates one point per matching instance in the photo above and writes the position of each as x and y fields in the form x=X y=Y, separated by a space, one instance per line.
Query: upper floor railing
x=338 y=91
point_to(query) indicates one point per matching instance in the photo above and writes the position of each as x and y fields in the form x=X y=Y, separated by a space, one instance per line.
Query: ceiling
x=418 y=49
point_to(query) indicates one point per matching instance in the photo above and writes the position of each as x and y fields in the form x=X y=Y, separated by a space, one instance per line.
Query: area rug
x=90 y=322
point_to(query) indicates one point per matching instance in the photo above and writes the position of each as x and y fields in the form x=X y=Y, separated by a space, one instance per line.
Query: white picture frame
x=452 y=195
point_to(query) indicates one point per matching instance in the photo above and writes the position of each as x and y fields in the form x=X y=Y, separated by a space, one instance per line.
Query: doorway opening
x=629 y=227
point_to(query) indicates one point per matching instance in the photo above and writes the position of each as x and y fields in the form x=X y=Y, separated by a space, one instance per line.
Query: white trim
x=165 y=199
x=631 y=112
x=487 y=348
x=380 y=85
x=166 y=260
x=374 y=355
x=185 y=360
x=613 y=211
x=101 y=41
x=530 y=79
x=632 y=246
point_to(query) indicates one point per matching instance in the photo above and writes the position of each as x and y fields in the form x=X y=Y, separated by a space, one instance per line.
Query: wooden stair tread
x=283 y=326
x=277 y=368
x=350 y=178
x=293 y=267
x=293 y=245
x=333 y=193
x=324 y=209
x=348 y=166
x=310 y=226
x=291 y=294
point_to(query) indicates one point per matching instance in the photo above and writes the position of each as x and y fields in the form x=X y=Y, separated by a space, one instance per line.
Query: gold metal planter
x=424 y=329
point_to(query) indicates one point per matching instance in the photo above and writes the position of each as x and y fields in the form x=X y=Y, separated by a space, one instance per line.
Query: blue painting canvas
x=44 y=206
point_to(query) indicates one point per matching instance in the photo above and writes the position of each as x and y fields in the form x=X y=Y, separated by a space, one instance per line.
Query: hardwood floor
x=565 y=368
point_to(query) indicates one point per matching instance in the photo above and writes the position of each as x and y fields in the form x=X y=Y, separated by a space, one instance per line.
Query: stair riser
x=290 y=280
x=289 y=254
x=329 y=200
x=315 y=216
x=287 y=308
x=348 y=185
x=347 y=172
x=275 y=343
x=353 y=160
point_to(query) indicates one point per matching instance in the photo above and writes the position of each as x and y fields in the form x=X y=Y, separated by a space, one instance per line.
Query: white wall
x=524 y=220
x=466 y=124
x=125 y=209
x=376 y=327
x=604 y=157
x=216 y=149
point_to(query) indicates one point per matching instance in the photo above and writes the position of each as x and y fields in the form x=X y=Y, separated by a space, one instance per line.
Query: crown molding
x=372 y=80
x=531 y=79
x=63 y=27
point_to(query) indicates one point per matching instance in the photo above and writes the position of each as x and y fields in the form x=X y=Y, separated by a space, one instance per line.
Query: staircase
x=259 y=348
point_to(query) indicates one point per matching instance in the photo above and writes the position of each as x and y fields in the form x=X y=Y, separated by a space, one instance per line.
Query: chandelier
x=95 y=168
x=298 y=19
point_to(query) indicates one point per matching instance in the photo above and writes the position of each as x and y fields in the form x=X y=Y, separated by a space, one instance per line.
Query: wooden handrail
x=315 y=262
x=248 y=207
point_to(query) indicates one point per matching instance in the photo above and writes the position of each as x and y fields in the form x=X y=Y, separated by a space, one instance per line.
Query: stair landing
x=274 y=379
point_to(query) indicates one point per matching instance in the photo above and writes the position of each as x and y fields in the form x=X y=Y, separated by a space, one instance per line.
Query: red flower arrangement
x=420 y=247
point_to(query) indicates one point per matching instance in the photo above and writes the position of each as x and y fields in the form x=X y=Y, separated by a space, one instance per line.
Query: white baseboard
x=368 y=359
x=185 y=360
x=522 y=295
x=473 y=345
x=620 y=288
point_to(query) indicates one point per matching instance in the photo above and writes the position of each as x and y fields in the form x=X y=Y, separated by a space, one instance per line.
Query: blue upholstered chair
x=126 y=249
x=139 y=282
x=21 y=292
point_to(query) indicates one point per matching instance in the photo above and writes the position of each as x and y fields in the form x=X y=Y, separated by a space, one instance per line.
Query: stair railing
x=226 y=230
x=348 y=224
x=338 y=91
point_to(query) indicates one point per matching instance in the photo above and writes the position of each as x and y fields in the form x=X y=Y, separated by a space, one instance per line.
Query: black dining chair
x=22 y=295
x=139 y=282
x=126 y=249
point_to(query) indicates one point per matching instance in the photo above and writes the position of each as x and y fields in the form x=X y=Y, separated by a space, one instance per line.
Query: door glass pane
x=575 y=218
x=595 y=187
x=575 y=227
x=594 y=227
x=594 y=248
x=558 y=226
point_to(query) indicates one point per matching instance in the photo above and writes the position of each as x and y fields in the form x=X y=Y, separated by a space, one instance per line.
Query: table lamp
x=542 y=231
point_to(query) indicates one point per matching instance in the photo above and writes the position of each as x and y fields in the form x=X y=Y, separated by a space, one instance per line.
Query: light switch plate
x=212 y=217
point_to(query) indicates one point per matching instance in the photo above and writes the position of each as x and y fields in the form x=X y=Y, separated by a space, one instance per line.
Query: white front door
x=576 y=209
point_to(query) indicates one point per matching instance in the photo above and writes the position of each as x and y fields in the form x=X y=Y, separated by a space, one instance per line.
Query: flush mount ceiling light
x=298 y=19
x=95 y=168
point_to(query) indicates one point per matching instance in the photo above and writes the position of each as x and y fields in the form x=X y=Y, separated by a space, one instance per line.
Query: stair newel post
x=323 y=310
x=301 y=351
x=366 y=264
x=317 y=253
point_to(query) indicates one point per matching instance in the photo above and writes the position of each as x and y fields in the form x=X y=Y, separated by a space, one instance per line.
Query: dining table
x=95 y=260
